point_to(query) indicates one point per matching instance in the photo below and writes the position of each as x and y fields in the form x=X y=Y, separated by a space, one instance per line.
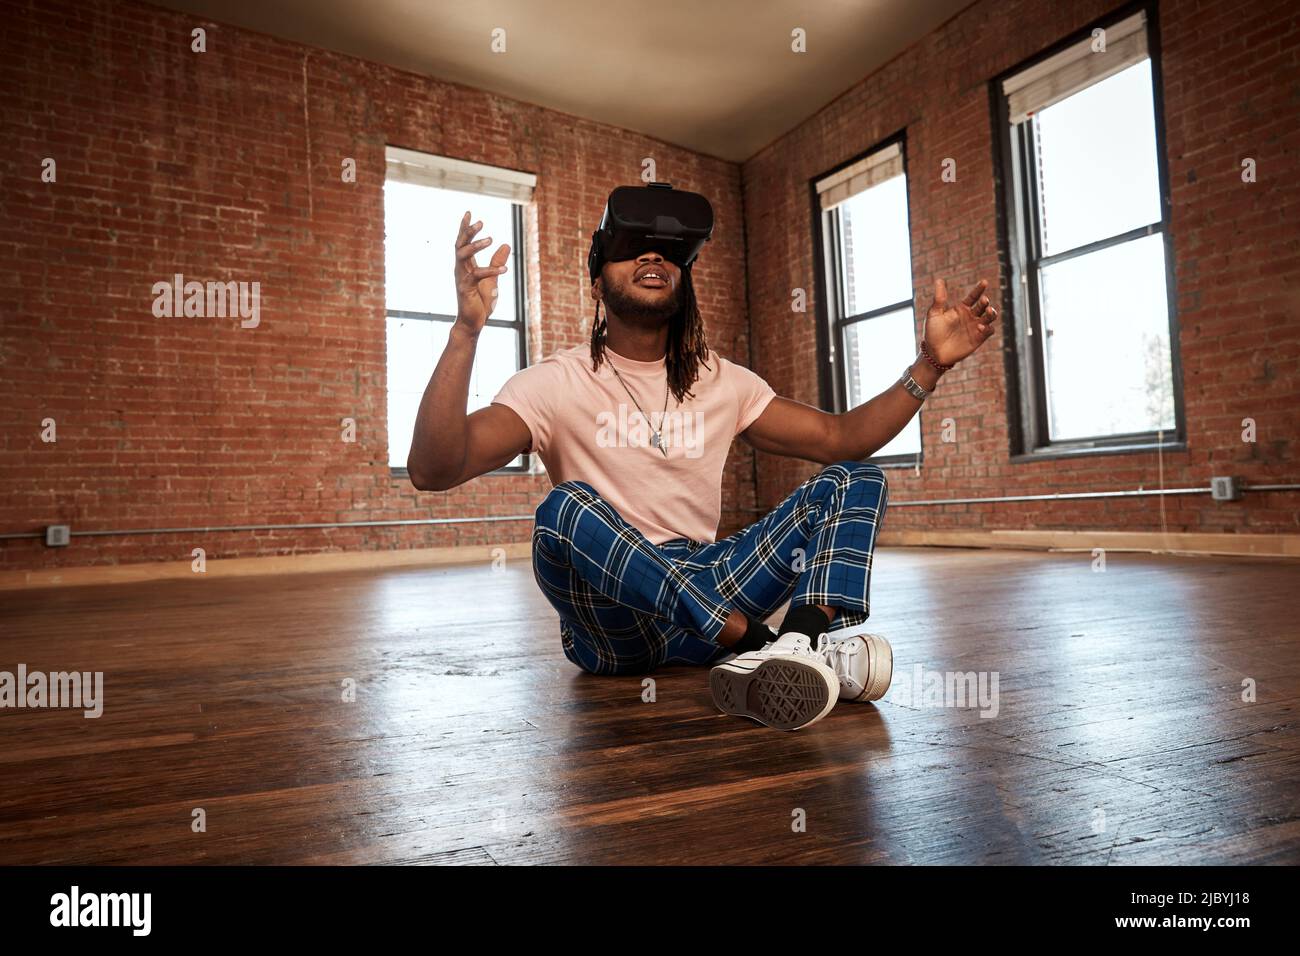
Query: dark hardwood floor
x=1120 y=737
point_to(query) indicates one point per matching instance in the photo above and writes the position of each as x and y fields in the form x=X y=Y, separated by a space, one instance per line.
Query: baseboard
x=1260 y=545
x=274 y=564
x=1265 y=545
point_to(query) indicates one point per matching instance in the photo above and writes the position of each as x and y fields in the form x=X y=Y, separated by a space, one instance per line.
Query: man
x=624 y=544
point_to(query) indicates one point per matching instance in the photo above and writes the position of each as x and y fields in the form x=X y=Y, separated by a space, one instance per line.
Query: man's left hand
x=955 y=330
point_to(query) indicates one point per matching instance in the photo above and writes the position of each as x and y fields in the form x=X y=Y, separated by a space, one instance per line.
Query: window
x=424 y=199
x=1089 y=246
x=867 y=264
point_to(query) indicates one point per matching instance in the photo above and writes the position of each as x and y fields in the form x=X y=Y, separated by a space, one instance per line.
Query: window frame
x=832 y=385
x=519 y=323
x=1020 y=253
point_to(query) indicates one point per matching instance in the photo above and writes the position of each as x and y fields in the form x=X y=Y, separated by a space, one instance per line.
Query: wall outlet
x=1225 y=489
x=57 y=535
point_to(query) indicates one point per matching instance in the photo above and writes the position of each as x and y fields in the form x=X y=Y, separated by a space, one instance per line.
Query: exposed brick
x=203 y=164
x=1232 y=89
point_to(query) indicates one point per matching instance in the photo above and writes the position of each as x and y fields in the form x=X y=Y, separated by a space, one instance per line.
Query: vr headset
x=654 y=217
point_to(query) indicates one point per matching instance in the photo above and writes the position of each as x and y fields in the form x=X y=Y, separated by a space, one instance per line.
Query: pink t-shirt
x=585 y=427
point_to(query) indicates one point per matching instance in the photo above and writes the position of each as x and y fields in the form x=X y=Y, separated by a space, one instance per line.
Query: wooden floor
x=1121 y=735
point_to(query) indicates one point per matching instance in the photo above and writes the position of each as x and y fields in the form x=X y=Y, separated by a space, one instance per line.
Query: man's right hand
x=476 y=286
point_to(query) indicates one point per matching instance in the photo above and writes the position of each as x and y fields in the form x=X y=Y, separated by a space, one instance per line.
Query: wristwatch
x=913 y=387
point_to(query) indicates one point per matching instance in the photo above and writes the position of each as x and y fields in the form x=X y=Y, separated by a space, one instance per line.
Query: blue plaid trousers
x=628 y=606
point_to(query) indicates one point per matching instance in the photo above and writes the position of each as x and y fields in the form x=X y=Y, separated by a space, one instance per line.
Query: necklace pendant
x=656 y=440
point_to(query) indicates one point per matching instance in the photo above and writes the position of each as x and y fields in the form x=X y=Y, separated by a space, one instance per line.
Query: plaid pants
x=628 y=606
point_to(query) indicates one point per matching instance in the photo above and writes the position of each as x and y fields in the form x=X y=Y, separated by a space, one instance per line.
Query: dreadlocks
x=687 y=346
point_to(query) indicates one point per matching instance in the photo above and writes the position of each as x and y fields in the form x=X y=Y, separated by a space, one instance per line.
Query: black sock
x=809 y=620
x=757 y=636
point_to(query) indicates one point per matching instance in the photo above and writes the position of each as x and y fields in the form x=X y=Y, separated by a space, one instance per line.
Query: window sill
x=1053 y=453
x=402 y=473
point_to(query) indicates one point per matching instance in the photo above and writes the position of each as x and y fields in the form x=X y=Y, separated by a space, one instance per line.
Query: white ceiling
x=715 y=76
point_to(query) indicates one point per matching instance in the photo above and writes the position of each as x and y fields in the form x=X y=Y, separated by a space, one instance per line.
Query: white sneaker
x=786 y=685
x=862 y=663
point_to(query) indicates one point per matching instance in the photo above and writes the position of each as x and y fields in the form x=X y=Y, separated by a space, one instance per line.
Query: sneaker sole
x=784 y=694
x=881 y=657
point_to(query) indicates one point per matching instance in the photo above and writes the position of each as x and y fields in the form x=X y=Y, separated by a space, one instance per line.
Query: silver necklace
x=656 y=439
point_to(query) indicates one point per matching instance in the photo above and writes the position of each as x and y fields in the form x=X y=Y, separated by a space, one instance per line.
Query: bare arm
x=448 y=446
x=794 y=429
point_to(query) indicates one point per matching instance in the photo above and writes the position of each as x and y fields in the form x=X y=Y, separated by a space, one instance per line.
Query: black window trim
x=519 y=324
x=1018 y=245
x=832 y=389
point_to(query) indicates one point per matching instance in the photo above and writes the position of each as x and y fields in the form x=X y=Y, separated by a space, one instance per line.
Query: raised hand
x=476 y=286
x=954 y=331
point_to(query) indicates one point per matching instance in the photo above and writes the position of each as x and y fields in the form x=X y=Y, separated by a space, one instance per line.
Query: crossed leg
x=627 y=605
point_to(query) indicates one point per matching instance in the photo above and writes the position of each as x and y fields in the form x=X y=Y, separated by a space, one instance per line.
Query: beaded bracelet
x=925 y=351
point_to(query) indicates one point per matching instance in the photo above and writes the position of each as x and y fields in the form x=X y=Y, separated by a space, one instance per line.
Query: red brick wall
x=225 y=165
x=1232 y=90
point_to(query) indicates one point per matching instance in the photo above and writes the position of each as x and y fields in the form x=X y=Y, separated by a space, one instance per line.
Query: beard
x=630 y=306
